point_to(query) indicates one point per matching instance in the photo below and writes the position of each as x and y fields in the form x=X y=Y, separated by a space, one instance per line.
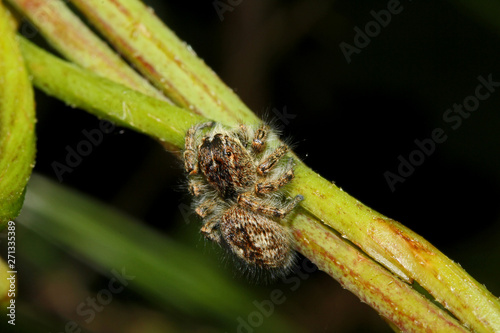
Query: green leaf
x=17 y=123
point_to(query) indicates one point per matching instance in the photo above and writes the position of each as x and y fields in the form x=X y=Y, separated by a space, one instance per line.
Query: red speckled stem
x=372 y=283
x=73 y=39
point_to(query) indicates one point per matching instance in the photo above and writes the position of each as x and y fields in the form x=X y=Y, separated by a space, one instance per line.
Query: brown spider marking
x=235 y=178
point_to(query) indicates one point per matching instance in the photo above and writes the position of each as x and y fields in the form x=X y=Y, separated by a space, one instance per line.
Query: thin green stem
x=106 y=99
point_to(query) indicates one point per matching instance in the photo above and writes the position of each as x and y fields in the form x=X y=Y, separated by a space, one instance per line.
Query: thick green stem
x=393 y=299
x=17 y=123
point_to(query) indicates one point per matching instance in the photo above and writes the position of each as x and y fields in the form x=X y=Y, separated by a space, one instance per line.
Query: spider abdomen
x=256 y=239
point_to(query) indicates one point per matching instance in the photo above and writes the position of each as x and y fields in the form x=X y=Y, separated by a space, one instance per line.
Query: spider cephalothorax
x=227 y=166
x=236 y=177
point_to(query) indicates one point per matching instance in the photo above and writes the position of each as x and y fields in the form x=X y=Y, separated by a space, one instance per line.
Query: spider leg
x=274 y=185
x=210 y=230
x=271 y=160
x=260 y=138
x=206 y=207
x=242 y=134
x=195 y=187
x=190 y=162
x=246 y=201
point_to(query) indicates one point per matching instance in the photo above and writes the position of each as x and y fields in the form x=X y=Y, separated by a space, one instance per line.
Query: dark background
x=350 y=122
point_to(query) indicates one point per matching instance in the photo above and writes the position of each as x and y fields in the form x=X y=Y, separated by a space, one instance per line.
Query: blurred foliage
x=158 y=268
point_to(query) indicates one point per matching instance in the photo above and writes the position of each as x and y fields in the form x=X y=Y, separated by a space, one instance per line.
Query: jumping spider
x=235 y=177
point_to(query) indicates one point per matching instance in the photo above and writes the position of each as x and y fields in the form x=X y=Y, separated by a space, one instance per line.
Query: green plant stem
x=134 y=30
x=17 y=123
x=112 y=101
x=392 y=298
x=76 y=42
x=400 y=250
x=400 y=303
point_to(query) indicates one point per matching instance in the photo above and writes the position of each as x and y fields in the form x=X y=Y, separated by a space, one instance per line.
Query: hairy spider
x=235 y=177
